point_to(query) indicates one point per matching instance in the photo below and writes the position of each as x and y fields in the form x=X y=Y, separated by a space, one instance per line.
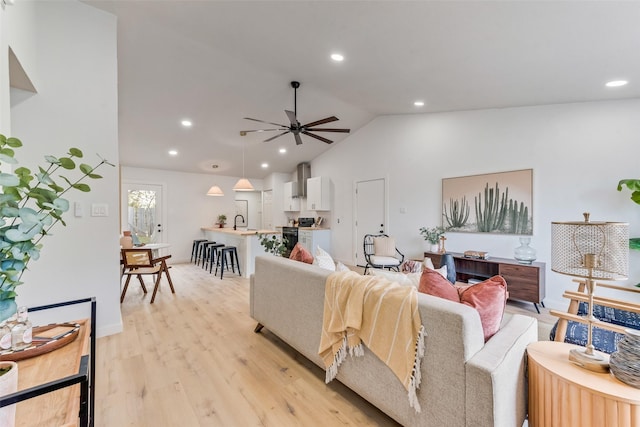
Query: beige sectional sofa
x=465 y=381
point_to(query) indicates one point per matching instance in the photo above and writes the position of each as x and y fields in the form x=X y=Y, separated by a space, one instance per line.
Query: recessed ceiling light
x=264 y=165
x=419 y=103
x=214 y=166
x=616 y=83
x=173 y=152
x=283 y=150
x=186 y=123
x=337 y=57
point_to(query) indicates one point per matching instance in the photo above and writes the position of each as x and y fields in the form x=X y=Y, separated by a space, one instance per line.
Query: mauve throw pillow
x=433 y=283
x=299 y=253
x=489 y=298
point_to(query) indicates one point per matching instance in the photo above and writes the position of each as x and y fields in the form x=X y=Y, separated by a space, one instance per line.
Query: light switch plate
x=99 y=209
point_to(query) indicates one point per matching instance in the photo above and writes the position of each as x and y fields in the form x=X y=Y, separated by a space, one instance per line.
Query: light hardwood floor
x=192 y=359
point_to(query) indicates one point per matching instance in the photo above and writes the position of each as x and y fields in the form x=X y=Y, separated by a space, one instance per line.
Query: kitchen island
x=245 y=240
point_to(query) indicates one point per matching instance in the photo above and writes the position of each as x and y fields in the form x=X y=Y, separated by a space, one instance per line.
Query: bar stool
x=194 y=249
x=212 y=254
x=202 y=252
x=222 y=259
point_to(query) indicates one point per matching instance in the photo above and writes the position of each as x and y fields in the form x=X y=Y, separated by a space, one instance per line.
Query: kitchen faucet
x=235 y=227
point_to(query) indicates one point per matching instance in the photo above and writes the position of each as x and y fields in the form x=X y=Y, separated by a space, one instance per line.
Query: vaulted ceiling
x=215 y=62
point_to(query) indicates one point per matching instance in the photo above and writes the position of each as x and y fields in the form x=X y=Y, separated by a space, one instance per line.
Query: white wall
x=188 y=206
x=578 y=153
x=69 y=51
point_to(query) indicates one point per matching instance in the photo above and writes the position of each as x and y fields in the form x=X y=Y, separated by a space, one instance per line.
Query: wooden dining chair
x=139 y=262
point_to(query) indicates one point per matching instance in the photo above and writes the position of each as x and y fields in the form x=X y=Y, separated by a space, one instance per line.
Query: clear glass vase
x=524 y=253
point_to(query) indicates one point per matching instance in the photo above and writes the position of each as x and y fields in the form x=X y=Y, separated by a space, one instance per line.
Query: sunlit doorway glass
x=141 y=215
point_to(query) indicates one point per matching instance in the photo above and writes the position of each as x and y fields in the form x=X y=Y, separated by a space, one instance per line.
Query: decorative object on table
x=625 y=362
x=8 y=385
x=432 y=236
x=441 y=248
x=524 y=253
x=502 y=202
x=634 y=186
x=272 y=244
x=45 y=339
x=593 y=251
x=476 y=254
x=31 y=205
x=126 y=241
x=447 y=259
x=222 y=219
x=21 y=331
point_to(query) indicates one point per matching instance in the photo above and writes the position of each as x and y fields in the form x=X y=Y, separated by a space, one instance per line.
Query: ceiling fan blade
x=321 y=122
x=244 y=132
x=292 y=118
x=328 y=130
x=328 y=141
x=298 y=139
x=277 y=136
x=262 y=121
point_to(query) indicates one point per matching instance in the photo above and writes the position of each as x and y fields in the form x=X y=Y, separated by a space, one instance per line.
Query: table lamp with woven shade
x=593 y=251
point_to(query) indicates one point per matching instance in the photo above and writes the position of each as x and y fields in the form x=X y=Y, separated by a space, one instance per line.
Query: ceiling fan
x=295 y=127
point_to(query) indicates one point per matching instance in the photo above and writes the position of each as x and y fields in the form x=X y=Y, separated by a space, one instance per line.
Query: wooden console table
x=56 y=388
x=562 y=394
x=524 y=282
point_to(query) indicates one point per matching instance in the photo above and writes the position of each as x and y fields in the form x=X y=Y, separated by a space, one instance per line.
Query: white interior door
x=142 y=211
x=370 y=213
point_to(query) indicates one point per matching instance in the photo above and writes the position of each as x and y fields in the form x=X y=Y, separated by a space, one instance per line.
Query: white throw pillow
x=403 y=279
x=324 y=260
x=428 y=263
x=341 y=267
x=442 y=270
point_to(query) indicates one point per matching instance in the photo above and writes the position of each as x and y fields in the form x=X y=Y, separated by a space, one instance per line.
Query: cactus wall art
x=499 y=203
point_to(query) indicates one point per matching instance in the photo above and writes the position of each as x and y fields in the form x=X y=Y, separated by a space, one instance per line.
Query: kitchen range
x=308 y=235
x=291 y=233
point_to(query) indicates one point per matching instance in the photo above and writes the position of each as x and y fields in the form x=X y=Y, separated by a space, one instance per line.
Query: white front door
x=142 y=211
x=370 y=213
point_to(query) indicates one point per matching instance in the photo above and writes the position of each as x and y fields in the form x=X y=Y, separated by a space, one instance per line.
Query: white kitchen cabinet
x=311 y=239
x=291 y=203
x=319 y=193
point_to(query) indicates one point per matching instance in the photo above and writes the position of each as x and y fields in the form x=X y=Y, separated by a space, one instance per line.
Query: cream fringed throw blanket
x=383 y=316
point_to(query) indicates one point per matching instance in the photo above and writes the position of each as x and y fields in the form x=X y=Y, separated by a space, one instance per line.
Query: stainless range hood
x=304 y=172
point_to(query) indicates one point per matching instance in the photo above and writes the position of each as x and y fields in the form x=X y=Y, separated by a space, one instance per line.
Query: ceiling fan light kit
x=295 y=127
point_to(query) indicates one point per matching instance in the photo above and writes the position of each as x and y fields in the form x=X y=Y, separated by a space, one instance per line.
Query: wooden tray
x=45 y=339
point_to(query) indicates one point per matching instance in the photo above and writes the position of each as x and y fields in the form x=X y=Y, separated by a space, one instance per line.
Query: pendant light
x=215 y=191
x=243 y=183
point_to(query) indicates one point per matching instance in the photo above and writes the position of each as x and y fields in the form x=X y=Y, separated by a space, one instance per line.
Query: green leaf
x=7 y=152
x=82 y=187
x=21 y=171
x=634 y=243
x=9 y=180
x=67 y=163
x=85 y=168
x=76 y=152
x=56 y=188
x=52 y=159
x=14 y=142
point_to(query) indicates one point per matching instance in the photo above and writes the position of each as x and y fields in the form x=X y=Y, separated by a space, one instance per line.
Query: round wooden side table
x=562 y=394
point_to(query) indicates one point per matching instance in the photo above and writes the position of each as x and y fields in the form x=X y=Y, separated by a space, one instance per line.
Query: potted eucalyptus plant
x=634 y=186
x=31 y=204
x=222 y=220
x=432 y=235
x=273 y=245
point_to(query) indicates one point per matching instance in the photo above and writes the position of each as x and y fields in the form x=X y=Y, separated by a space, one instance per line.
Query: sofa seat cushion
x=387 y=261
